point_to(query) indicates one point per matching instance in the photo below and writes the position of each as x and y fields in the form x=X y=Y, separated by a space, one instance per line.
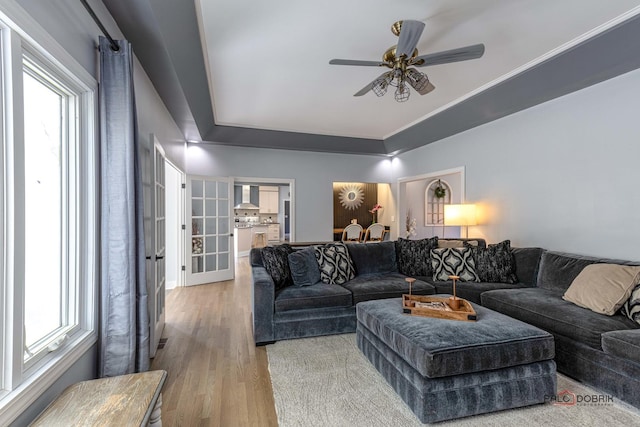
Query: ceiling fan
x=404 y=55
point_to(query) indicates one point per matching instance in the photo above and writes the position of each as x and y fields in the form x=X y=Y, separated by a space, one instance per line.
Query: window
x=437 y=194
x=49 y=252
x=48 y=199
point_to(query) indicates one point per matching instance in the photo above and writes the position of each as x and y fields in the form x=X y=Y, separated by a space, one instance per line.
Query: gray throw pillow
x=304 y=267
x=276 y=261
x=414 y=256
x=453 y=262
x=495 y=263
x=335 y=263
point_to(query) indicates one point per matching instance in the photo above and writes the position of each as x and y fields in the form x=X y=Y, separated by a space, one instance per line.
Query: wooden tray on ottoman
x=411 y=305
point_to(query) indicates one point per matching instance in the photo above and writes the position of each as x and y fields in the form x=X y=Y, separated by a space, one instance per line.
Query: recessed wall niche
x=353 y=200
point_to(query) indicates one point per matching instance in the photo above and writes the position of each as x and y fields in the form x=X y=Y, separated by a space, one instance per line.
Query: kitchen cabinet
x=273 y=233
x=269 y=199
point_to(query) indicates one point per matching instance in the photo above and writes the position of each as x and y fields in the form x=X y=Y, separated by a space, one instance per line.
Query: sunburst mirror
x=351 y=196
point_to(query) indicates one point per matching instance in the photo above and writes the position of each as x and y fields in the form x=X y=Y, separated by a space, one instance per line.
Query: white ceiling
x=268 y=62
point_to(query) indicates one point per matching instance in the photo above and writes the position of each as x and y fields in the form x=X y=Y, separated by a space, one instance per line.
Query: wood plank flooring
x=217 y=376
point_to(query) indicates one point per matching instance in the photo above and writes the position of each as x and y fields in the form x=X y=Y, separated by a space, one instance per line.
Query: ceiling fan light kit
x=404 y=55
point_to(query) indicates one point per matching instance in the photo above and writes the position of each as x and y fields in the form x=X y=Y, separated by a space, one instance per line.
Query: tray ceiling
x=258 y=73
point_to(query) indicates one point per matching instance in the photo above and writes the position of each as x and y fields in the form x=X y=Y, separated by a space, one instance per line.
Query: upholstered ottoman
x=446 y=369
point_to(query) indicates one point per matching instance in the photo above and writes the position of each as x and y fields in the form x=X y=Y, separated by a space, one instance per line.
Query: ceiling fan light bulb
x=402 y=93
x=418 y=80
x=379 y=86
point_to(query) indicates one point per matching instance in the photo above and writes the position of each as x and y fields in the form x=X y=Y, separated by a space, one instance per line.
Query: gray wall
x=562 y=175
x=314 y=174
x=70 y=25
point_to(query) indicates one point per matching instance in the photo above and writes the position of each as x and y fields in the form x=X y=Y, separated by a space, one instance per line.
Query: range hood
x=246 y=199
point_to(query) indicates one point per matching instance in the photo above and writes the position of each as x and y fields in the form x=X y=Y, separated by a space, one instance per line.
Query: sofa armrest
x=624 y=344
x=263 y=302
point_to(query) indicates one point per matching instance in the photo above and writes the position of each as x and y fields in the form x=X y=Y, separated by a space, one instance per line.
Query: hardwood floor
x=217 y=376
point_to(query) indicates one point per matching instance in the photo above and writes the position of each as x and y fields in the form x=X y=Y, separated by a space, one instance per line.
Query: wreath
x=439 y=191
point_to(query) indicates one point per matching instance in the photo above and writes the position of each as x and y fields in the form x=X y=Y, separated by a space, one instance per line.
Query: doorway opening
x=264 y=212
x=421 y=201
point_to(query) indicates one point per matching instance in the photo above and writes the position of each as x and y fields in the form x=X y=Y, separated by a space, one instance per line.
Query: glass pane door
x=210 y=240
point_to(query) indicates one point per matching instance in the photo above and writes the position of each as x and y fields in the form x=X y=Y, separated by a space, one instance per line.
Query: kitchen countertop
x=261 y=224
x=257 y=224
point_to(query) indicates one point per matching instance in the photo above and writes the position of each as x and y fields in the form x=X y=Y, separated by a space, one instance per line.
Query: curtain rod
x=112 y=42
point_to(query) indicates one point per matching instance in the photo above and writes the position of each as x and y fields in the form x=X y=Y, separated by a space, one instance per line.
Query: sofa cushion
x=320 y=295
x=378 y=286
x=632 y=306
x=372 y=258
x=335 y=263
x=547 y=310
x=624 y=344
x=276 y=262
x=471 y=291
x=414 y=256
x=304 y=267
x=603 y=288
x=495 y=263
x=527 y=262
x=459 y=262
x=557 y=270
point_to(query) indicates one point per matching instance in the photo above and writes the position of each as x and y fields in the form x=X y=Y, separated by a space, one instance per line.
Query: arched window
x=437 y=194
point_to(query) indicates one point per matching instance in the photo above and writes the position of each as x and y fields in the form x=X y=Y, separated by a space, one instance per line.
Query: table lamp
x=461 y=214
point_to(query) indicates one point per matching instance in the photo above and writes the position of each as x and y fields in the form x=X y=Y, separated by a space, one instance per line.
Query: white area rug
x=326 y=381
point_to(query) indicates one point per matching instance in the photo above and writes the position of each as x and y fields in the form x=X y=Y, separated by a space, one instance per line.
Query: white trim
x=32 y=32
x=33 y=387
x=22 y=33
x=181 y=260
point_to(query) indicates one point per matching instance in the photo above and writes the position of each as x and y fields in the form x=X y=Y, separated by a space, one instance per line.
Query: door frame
x=282 y=181
x=180 y=225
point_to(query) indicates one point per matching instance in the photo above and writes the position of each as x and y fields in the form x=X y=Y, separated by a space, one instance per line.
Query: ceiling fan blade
x=410 y=33
x=355 y=62
x=369 y=86
x=453 y=55
x=426 y=89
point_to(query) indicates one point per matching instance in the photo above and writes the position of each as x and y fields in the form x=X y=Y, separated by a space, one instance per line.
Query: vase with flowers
x=374 y=212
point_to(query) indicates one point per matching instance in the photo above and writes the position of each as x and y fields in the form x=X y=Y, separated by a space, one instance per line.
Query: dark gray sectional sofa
x=321 y=309
x=601 y=351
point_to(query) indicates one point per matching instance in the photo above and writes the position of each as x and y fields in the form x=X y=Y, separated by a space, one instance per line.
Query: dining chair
x=352 y=233
x=375 y=233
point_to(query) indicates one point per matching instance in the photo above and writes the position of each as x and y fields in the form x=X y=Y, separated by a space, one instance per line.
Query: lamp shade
x=460 y=214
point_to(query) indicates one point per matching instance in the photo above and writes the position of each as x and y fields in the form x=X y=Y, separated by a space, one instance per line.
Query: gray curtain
x=124 y=318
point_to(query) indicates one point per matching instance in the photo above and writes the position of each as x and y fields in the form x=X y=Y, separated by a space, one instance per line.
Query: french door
x=209 y=233
x=153 y=181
